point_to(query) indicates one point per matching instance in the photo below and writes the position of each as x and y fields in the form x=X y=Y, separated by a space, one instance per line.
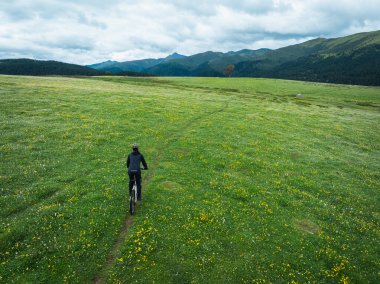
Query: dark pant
x=137 y=176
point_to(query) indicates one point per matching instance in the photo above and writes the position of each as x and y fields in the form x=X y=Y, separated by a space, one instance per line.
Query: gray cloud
x=88 y=31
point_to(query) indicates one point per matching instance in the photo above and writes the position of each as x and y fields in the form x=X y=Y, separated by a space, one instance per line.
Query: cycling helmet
x=135 y=146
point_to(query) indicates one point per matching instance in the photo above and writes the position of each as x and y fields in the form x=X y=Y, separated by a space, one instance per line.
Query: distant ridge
x=202 y=64
x=134 y=65
x=353 y=59
x=175 y=55
x=208 y=64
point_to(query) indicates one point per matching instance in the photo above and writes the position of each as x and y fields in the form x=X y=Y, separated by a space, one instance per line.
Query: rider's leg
x=130 y=182
x=138 y=181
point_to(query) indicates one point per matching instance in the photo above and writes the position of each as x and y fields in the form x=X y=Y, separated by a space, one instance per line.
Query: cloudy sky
x=90 y=31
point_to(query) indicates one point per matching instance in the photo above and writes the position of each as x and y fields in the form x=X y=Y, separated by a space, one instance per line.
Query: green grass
x=247 y=183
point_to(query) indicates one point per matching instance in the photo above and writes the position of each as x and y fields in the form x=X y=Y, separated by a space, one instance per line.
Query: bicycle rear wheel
x=132 y=201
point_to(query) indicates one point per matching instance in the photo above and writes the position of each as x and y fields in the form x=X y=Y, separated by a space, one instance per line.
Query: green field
x=249 y=181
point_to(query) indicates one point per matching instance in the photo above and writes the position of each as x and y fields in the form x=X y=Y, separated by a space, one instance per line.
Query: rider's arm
x=128 y=161
x=143 y=162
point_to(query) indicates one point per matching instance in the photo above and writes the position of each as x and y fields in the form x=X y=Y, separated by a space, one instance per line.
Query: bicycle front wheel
x=132 y=201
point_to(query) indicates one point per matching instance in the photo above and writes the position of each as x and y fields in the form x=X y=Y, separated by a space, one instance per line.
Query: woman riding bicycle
x=134 y=170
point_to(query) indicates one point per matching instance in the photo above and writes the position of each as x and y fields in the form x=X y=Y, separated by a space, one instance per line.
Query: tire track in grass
x=101 y=275
x=44 y=198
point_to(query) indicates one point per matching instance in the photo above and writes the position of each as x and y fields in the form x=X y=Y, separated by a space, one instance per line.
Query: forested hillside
x=40 y=67
x=350 y=60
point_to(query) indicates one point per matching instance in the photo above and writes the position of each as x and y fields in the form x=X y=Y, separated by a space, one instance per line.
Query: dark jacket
x=134 y=160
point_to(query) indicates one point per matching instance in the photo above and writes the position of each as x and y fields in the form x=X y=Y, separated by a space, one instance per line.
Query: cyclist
x=134 y=171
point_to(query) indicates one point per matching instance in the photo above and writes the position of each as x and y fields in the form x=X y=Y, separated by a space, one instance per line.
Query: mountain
x=183 y=66
x=104 y=66
x=202 y=64
x=134 y=65
x=40 y=67
x=208 y=64
x=175 y=55
x=353 y=59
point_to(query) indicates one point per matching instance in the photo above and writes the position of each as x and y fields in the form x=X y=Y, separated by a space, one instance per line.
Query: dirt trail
x=101 y=275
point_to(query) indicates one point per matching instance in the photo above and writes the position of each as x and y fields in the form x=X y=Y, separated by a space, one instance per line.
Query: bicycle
x=133 y=195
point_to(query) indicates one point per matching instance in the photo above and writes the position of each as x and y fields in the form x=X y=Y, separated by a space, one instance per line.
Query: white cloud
x=90 y=31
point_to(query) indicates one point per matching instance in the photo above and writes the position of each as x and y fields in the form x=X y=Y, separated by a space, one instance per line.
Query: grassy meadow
x=249 y=181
